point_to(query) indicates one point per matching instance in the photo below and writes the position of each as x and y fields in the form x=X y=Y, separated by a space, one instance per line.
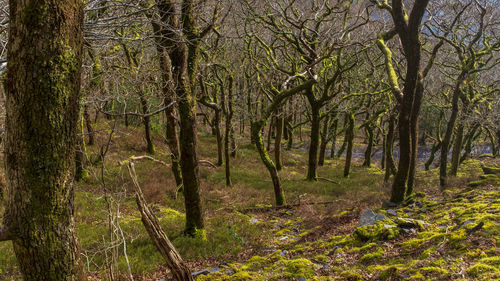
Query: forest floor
x=434 y=236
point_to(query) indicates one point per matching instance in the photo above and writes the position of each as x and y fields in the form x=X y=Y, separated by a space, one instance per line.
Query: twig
x=206 y=162
x=327 y=180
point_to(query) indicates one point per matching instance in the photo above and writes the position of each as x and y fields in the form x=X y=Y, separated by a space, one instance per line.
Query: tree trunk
x=349 y=136
x=324 y=141
x=390 y=166
x=277 y=141
x=256 y=128
x=218 y=136
x=163 y=45
x=419 y=91
x=88 y=123
x=150 y=148
x=313 y=146
x=445 y=145
x=457 y=150
x=334 y=138
x=42 y=108
x=469 y=139
x=399 y=184
x=369 y=147
x=229 y=117
x=184 y=62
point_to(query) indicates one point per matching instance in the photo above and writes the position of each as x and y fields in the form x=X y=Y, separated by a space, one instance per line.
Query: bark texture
x=42 y=106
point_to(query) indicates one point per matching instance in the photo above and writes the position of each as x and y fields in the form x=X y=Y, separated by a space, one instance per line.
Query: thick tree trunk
x=314 y=143
x=349 y=136
x=324 y=141
x=42 y=109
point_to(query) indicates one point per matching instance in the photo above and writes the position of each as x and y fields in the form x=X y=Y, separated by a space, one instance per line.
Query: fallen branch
x=174 y=261
x=206 y=162
x=287 y=206
x=327 y=180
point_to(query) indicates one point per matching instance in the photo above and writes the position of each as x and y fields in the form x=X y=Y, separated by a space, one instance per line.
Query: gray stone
x=391 y=212
x=229 y=272
x=283 y=253
x=369 y=217
x=283 y=238
x=215 y=269
x=201 y=272
x=254 y=220
x=302 y=279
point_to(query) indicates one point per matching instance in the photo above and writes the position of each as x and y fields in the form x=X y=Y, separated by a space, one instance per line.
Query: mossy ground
x=315 y=241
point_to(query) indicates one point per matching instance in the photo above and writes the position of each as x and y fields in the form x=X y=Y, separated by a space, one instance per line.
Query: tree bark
x=314 y=143
x=369 y=147
x=349 y=136
x=324 y=141
x=88 y=123
x=277 y=141
x=457 y=150
x=42 y=109
x=146 y=120
x=334 y=138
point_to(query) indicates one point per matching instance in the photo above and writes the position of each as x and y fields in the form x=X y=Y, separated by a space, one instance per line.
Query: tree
x=407 y=27
x=42 y=105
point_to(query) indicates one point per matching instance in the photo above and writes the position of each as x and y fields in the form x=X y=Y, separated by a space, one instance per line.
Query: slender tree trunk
x=218 y=136
x=324 y=141
x=469 y=139
x=349 y=135
x=270 y=133
x=88 y=123
x=390 y=166
x=435 y=147
x=42 y=108
x=147 y=124
x=229 y=117
x=344 y=142
x=369 y=147
x=334 y=138
x=314 y=143
x=277 y=141
x=445 y=145
x=419 y=91
x=399 y=184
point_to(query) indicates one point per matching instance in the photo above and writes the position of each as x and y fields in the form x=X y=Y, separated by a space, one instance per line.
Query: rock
x=410 y=223
x=369 y=217
x=392 y=212
x=215 y=269
x=387 y=205
x=229 y=272
x=302 y=279
x=283 y=238
x=201 y=272
x=254 y=221
x=283 y=253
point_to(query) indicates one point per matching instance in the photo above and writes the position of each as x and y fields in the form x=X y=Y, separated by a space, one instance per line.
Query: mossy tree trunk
x=42 y=108
x=457 y=150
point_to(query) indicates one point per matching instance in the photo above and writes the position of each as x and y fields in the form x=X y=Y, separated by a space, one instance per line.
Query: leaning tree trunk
x=42 y=108
x=256 y=128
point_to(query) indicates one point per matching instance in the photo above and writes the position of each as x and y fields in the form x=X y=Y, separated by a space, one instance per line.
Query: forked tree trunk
x=42 y=108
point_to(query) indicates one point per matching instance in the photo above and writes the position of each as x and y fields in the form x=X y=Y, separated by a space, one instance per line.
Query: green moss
x=295 y=268
x=382 y=230
x=480 y=268
x=377 y=254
